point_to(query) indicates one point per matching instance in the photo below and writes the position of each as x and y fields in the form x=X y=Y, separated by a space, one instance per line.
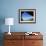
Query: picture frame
x=27 y=15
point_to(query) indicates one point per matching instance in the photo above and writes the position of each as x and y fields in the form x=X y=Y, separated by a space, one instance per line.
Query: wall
x=9 y=8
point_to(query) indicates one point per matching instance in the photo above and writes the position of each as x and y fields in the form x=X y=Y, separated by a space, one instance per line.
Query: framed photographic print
x=27 y=15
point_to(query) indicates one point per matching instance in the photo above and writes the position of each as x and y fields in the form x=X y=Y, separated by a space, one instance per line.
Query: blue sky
x=26 y=16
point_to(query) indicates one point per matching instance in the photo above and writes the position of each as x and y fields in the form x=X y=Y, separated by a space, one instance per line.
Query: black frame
x=31 y=11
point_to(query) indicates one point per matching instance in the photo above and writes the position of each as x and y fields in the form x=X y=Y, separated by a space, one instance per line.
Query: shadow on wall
x=2 y=21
